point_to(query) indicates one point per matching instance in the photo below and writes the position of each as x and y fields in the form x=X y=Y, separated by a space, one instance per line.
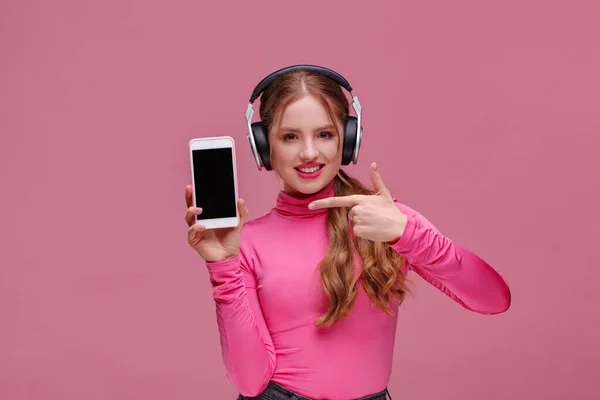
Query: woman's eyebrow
x=290 y=129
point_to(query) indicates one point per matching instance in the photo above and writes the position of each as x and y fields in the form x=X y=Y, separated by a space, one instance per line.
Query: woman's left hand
x=374 y=217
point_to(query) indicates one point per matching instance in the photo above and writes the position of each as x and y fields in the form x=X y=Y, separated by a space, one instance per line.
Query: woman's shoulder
x=258 y=226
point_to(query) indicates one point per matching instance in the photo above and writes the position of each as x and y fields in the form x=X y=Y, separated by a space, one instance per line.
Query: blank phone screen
x=214 y=183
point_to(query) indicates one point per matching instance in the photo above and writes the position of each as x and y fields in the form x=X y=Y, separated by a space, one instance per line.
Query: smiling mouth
x=310 y=170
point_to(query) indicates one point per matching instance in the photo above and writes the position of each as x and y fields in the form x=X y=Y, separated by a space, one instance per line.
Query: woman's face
x=305 y=150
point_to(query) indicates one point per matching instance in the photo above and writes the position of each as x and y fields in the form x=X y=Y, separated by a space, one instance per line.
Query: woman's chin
x=307 y=187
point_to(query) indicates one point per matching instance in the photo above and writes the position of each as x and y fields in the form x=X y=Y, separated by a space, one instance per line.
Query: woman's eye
x=325 y=134
x=289 y=136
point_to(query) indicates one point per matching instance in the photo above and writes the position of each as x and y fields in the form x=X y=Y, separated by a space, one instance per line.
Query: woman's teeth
x=309 y=170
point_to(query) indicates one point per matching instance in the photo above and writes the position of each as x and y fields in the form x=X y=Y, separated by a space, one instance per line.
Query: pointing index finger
x=337 y=201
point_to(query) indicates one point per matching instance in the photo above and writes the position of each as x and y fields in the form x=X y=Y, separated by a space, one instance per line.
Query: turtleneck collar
x=296 y=207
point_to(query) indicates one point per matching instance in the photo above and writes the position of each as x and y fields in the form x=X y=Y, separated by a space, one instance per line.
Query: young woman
x=307 y=296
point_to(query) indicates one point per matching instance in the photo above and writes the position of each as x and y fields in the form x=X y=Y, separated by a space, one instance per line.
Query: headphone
x=257 y=135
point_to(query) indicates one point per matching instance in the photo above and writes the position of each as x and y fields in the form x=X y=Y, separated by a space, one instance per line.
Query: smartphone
x=214 y=181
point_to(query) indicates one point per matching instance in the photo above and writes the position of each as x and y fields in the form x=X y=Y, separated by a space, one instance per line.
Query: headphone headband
x=339 y=79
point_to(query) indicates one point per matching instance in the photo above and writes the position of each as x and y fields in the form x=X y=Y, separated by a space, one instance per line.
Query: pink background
x=497 y=102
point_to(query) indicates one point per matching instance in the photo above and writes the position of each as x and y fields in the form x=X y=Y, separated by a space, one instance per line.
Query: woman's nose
x=309 y=152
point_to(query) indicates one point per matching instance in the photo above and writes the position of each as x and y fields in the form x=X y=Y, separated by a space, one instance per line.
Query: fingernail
x=311 y=206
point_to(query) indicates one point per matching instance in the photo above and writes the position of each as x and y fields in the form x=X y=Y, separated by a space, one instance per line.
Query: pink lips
x=311 y=175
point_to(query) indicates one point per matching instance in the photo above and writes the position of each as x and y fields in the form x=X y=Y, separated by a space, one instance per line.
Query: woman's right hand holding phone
x=213 y=245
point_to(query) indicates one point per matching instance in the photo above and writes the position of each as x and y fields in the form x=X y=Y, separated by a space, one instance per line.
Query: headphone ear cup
x=262 y=144
x=350 y=132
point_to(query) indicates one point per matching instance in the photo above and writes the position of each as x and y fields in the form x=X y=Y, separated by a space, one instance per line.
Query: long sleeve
x=454 y=270
x=246 y=345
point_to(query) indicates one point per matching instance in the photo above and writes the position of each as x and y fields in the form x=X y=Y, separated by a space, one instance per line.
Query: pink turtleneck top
x=268 y=298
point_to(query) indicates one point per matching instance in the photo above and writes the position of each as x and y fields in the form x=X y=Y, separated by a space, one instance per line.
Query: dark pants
x=276 y=392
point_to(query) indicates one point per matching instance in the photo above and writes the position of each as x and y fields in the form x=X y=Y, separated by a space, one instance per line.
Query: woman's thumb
x=243 y=211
